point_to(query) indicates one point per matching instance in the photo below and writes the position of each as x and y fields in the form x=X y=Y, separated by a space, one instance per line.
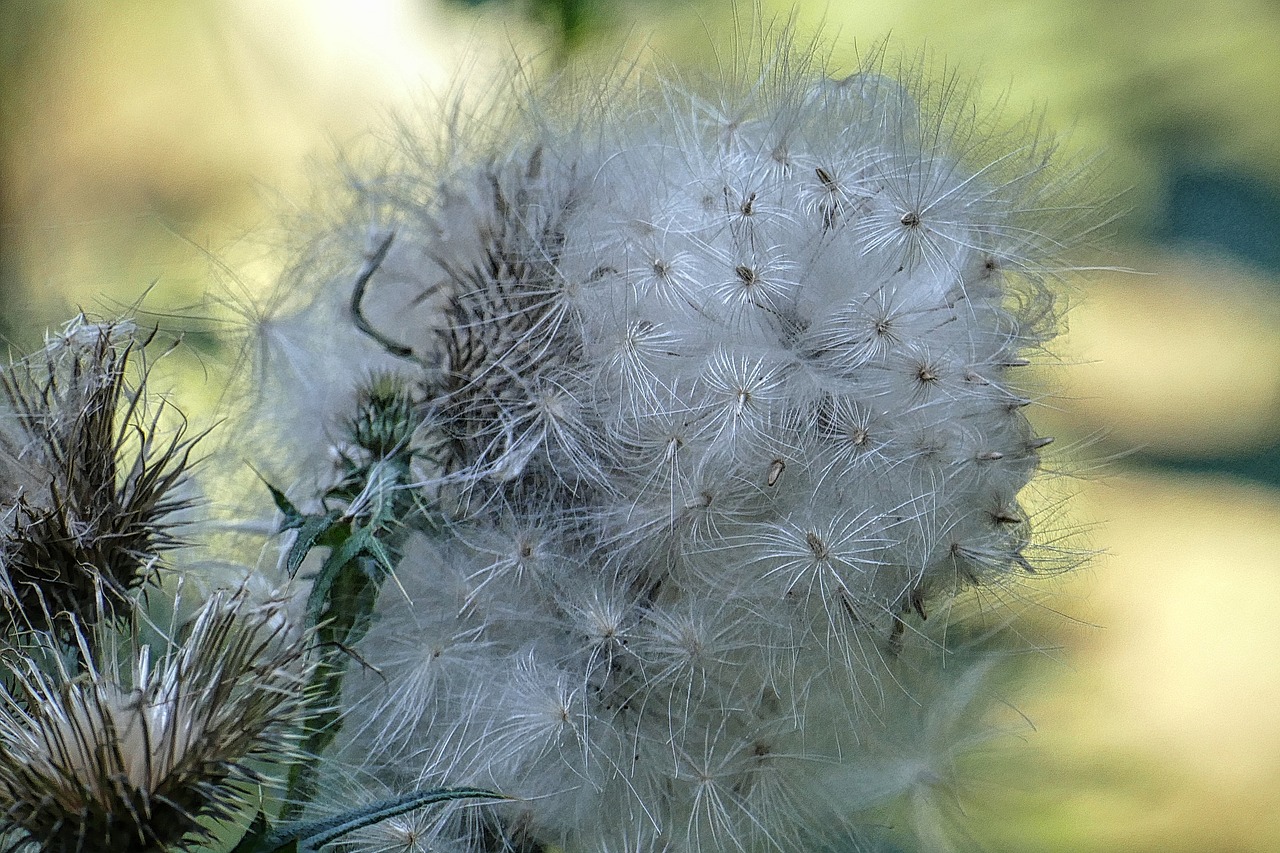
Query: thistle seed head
x=718 y=408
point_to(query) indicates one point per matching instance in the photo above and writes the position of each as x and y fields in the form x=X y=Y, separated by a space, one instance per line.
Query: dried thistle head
x=140 y=751
x=87 y=477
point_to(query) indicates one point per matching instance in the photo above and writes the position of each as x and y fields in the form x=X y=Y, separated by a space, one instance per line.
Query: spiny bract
x=713 y=401
x=133 y=751
x=89 y=482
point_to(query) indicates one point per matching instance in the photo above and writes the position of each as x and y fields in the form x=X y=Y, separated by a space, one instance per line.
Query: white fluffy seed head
x=718 y=397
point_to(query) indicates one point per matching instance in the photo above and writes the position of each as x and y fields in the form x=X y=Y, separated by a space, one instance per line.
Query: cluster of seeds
x=715 y=400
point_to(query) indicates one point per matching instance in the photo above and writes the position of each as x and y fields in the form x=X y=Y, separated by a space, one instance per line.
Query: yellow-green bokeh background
x=159 y=141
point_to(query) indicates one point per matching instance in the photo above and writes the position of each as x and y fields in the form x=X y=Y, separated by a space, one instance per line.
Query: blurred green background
x=152 y=147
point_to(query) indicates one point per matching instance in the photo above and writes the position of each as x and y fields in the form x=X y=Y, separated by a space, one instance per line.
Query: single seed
x=827 y=180
x=917 y=602
x=775 y=471
x=848 y=608
x=895 y=637
x=911 y=219
x=990 y=455
x=1037 y=443
x=817 y=546
x=535 y=163
x=746 y=274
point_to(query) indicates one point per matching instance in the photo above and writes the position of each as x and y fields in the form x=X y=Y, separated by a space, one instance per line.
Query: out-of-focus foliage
x=138 y=136
x=572 y=22
x=21 y=26
x=1152 y=83
x=1231 y=211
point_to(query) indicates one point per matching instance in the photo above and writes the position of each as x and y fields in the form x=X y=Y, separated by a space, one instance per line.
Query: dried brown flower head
x=87 y=477
x=140 y=751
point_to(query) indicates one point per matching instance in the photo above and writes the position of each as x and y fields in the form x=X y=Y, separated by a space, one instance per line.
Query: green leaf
x=340 y=606
x=292 y=517
x=260 y=839
x=312 y=530
x=320 y=599
x=381 y=555
x=309 y=837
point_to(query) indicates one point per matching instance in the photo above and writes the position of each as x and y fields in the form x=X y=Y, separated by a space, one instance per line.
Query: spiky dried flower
x=88 y=477
x=139 y=751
